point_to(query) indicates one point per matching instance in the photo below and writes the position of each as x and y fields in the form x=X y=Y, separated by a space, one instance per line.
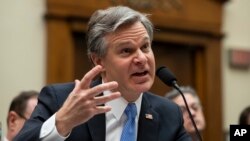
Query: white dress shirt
x=5 y=139
x=114 y=121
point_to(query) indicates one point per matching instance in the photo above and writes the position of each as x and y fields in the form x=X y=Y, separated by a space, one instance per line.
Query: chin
x=142 y=88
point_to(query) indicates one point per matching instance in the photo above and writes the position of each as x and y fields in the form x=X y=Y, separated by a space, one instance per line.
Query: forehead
x=128 y=31
x=189 y=98
x=31 y=103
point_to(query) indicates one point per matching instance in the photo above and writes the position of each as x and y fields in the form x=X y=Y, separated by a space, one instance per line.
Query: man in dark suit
x=21 y=108
x=116 y=106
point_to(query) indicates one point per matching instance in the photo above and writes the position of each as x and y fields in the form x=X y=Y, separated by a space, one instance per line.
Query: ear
x=12 y=118
x=96 y=60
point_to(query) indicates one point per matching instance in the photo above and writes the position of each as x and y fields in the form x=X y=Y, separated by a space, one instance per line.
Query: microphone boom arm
x=176 y=86
x=168 y=78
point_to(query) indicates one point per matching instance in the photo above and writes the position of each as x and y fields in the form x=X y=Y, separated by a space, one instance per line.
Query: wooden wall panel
x=60 y=52
x=200 y=15
x=213 y=95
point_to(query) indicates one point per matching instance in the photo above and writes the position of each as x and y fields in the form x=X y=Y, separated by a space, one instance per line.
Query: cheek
x=186 y=124
x=185 y=118
x=151 y=59
x=116 y=71
x=113 y=61
x=200 y=115
x=19 y=126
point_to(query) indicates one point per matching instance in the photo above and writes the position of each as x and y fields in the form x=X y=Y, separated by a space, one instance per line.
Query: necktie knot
x=131 y=111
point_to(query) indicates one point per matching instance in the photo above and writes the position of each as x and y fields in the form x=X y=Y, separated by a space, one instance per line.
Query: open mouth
x=140 y=73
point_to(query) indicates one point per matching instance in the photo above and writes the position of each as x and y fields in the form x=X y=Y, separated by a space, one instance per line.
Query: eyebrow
x=145 y=39
x=123 y=43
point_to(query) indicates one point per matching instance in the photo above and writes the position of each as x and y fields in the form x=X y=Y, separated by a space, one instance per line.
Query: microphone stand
x=176 y=86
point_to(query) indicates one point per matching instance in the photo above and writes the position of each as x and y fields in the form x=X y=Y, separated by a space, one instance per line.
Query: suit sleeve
x=46 y=107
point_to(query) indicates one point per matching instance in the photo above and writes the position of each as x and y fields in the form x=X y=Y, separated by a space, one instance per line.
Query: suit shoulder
x=157 y=98
x=58 y=92
x=60 y=87
x=160 y=102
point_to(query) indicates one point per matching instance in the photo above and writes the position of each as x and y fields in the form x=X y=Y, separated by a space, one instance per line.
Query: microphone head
x=166 y=76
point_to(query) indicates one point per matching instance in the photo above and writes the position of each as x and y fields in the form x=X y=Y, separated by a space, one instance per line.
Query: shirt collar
x=118 y=105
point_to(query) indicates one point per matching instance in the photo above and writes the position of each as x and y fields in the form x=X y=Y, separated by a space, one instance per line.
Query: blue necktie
x=129 y=132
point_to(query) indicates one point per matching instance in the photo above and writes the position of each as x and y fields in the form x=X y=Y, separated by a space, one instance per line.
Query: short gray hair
x=107 y=21
x=185 y=89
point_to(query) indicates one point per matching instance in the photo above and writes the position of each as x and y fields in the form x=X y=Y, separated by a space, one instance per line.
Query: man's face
x=195 y=109
x=129 y=60
x=20 y=120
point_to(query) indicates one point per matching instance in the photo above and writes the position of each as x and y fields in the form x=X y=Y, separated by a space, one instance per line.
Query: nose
x=192 y=111
x=140 y=58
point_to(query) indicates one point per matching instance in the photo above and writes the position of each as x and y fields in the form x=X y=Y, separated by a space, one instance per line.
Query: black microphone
x=168 y=78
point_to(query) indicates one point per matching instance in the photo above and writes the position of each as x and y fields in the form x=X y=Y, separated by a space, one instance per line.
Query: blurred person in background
x=195 y=107
x=20 y=110
x=244 y=118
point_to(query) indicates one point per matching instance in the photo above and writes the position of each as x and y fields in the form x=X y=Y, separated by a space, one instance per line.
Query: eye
x=125 y=50
x=196 y=107
x=145 y=47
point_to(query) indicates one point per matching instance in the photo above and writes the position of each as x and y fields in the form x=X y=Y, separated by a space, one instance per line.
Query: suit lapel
x=97 y=127
x=148 y=122
x=97 y=124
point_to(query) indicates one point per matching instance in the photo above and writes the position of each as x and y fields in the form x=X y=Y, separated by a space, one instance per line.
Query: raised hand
x=82 y=103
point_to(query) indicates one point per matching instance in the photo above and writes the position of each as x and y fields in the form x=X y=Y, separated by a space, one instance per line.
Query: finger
x=102 y=109
x=104 y=99
x=77 y=85
x=102 y=87
x=89 y=76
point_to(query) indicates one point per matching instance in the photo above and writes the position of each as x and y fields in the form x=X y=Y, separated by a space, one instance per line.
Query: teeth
x=140 y=73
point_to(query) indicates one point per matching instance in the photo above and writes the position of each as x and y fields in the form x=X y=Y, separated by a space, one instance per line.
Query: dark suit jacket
x=166 y=125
